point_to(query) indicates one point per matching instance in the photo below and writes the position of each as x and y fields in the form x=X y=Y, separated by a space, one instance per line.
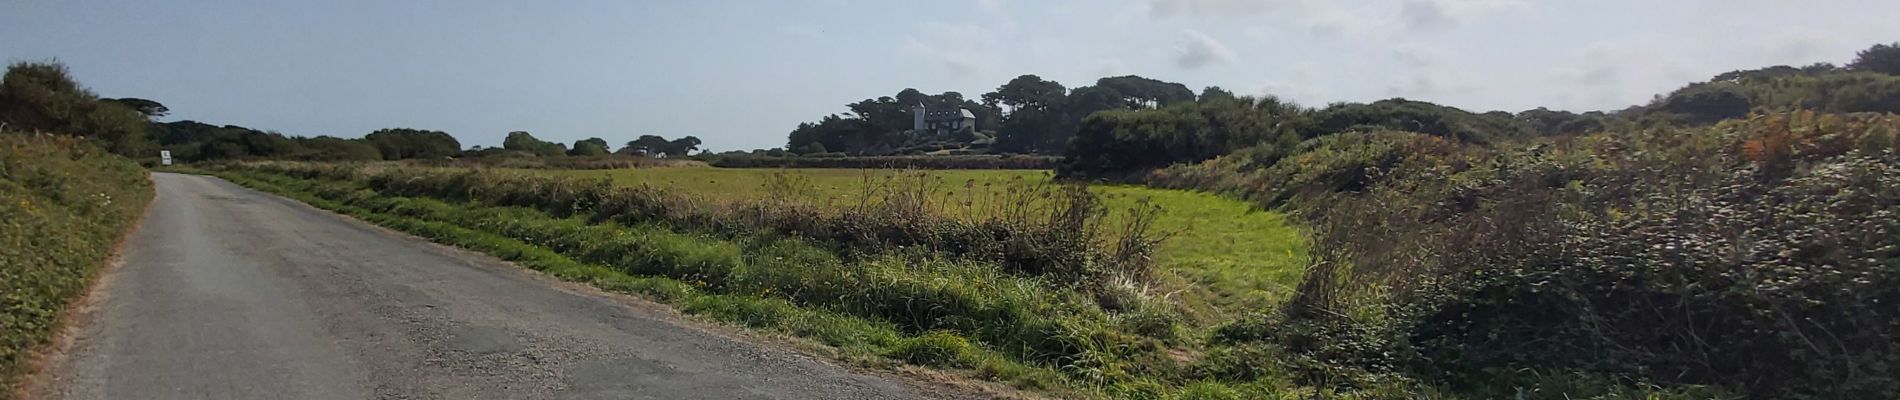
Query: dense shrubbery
x=1273 y=174
x=893 y=162
x=1757 y=254
x=63 y=204
x=1120 y=143
x=1112 y=141
x=1421 y=117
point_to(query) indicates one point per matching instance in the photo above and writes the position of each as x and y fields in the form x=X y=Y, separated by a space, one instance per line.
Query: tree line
x=43 y=97
x=1129 y=140
x=1028 y=115
x=1131 y=122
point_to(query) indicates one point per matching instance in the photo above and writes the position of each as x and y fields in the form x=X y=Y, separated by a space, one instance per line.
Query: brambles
x=1754 y=255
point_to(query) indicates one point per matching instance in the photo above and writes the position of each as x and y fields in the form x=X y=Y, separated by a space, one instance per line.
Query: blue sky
x=741 y=74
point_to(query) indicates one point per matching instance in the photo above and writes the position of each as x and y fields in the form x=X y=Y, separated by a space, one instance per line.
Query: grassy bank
x=63 y=205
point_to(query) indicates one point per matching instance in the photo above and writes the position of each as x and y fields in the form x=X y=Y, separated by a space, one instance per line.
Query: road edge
x=80 y=312
x=923 y=379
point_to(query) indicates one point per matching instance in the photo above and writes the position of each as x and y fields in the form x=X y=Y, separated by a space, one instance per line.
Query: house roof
x=945 y=115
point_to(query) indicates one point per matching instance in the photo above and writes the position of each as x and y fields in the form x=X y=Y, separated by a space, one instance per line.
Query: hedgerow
x=1754 y=256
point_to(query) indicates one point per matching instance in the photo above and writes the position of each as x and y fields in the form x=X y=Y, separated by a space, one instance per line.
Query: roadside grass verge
x=694 y=259
x=899 y=305
x=1220 y=256
x=63 y=206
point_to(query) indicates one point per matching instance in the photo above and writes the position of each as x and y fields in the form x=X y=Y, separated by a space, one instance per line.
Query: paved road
x=228 y=293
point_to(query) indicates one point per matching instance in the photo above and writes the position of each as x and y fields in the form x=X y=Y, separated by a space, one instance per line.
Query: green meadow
x=1218 y=252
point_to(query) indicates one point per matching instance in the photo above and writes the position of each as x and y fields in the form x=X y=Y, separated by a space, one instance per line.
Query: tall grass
x=1016 y=319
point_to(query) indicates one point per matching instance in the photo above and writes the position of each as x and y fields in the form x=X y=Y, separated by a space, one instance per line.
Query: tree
x=42 y=96
x=1882 y=58
x=1117 y=141
x=525 y=142
x=1027 y=92
x=589 y=147
x=646 y=145
x=151 y=109
x=682 y=146
x=1140 y=92
x=1216 y=93
x=327 y=148
x=406 y=143
x=1707 y=103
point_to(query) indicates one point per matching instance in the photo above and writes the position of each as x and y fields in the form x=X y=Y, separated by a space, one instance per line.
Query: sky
x=742 y=74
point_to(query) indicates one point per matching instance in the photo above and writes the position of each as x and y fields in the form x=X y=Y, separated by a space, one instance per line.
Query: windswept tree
x=1216 y=93
x=42 y=96
x=589 y=147
x=646 y=145
x=683 y=146
x=526 y=142
x=406 y=143
x=151 y=109
x=1882 y=58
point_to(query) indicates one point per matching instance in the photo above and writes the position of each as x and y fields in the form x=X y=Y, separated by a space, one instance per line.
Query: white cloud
x=1611 y=75
x=1382 y=19
x=1413 y=57
x=1425 y=16
x=1420 y=16
x=990 y=6
x=965 y=51
x=1109 y=67
x=1418 y=87
x=1198 y=50
x=1207 y=8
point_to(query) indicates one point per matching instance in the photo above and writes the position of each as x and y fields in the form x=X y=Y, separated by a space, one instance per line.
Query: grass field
x=1222 y=252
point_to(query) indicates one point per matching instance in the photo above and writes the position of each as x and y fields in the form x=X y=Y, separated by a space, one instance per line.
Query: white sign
x=165 y=157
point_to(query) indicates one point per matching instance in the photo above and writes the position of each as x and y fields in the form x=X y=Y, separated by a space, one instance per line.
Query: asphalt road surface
x=229 y=293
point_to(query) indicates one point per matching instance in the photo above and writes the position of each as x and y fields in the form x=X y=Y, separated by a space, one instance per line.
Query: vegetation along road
x=231 y=293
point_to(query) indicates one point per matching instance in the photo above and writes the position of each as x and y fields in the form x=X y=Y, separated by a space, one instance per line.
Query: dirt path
x=228 y=293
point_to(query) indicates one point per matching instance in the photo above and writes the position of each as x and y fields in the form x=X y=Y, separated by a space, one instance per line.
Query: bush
x=1120 y=141
x=63 y=204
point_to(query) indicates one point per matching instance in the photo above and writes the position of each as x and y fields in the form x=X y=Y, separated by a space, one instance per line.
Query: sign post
x=165 y=157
